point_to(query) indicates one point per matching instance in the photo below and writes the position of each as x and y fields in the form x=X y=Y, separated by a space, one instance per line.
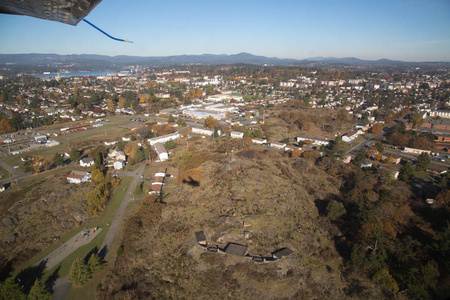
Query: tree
x=111 y=105
x=379 y=147
x=335 y=210
x=5 y=127
x=360 y=157
x=79 y=273
x=416 y=120
x=406 y=172
x=74 y=155
x=57 y=159
x=38 y=291
x=170 y=145
x=97 y=176
x=171 y=119
x=376 y=128
x=138 y=155
x=9 y=289
x=94 y=263
x=210 y=122
x=339 y=147
x=423 y=161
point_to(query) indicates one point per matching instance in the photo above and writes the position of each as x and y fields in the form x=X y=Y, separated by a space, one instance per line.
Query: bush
x=335 y=210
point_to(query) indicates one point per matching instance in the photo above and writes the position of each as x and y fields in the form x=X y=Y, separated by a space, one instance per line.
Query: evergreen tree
x=57 y=159
x=79 y=273
x=74 y=155
x=171 y=119
x=11 y=290
x=38 y=291
x=406 y=172
x=423 y=161
x=94 y=263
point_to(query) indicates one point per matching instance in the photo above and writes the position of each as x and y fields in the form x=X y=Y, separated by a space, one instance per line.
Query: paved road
x=15 y=174
x=62 y=285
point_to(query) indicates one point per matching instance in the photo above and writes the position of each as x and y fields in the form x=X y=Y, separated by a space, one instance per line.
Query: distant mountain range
x=95 y=62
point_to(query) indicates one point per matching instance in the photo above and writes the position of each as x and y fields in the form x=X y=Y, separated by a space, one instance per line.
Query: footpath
x=80 y=239
x=62 y=285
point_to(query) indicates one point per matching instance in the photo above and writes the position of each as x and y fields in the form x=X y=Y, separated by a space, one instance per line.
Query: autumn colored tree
x=210 y=122
x=296 y=153
x=5 y=127
x=376 y=128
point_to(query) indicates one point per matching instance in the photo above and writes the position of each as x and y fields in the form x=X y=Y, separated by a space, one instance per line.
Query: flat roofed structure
x=282 y=253
x=236 y=249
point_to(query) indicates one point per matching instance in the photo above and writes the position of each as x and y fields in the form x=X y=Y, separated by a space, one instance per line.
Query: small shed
x=279 y=254
x=201 y=238
x=236 y=249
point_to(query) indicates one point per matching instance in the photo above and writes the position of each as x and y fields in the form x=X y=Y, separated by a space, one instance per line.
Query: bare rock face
x=10 y=220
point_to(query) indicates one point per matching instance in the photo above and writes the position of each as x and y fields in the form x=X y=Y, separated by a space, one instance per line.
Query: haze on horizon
x=408 y=30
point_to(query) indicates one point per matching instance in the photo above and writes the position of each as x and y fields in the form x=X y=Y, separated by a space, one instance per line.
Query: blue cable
x=116 y=39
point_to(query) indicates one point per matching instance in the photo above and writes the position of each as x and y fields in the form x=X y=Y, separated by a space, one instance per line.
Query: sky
x=408 y=30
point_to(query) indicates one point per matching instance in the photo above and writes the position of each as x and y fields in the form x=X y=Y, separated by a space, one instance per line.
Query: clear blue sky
x=409 y=30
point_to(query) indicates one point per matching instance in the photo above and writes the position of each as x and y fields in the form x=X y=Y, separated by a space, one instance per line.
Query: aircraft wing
x=64 y=11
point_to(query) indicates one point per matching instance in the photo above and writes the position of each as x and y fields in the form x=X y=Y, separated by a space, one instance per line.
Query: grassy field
x=4 y=173
x=88 y=290
x=102 y=221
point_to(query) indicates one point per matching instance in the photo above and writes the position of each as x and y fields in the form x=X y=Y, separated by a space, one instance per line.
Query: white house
x=203 y=131
x=158 y=180
x=314 y=141
x=348 y=137
x=161 y=151
x=277 y=145
x=117 y=155
x=237 y=135
x=161 y=172
x=257 y=141
x=86 y=162
x=164 y=138
x=79 y=177
x=118 y=165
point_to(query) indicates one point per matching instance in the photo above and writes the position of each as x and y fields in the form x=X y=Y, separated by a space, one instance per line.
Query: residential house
x=161 y=151
x=257 y=141
x=79 y=177
x=86 y=162
x=158 y=180
x=118 y=165
x=314 y=141
x=203 y=131
x=161 y=172
x=291 y=148
x=237 y=135
x=164 y=138
x=348 y=137
x=277 y=145
x=155 y=189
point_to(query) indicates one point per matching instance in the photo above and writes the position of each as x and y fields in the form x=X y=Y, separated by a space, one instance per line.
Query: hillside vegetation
x=275 y=195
